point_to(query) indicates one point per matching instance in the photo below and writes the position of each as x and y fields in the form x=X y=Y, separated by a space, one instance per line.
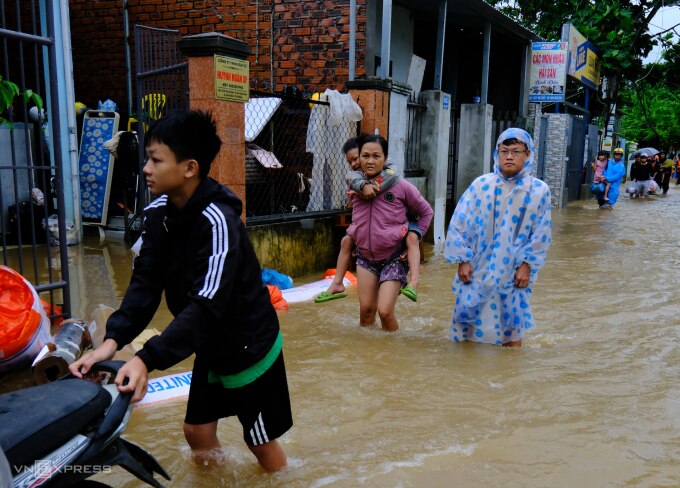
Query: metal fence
x=501 y=120
x=162 y=85
x=27 y=176
x=295 y=167
x=415 y=110
x=454 y=133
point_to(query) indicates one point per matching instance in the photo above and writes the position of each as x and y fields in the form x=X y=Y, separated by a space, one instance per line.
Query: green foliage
x=618 y=28
x=650 y=106
x=9 y=91
x=672 y=63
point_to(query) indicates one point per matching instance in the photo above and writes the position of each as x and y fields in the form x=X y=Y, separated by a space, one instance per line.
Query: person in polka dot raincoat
x=499 y=234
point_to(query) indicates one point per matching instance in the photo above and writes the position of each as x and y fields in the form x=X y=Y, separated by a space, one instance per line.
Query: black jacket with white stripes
x=202 y=258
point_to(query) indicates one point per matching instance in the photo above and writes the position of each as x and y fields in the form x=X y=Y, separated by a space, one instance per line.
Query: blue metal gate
x=31 y=184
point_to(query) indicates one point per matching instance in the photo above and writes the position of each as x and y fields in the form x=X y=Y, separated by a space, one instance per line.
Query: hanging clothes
x=330 y=126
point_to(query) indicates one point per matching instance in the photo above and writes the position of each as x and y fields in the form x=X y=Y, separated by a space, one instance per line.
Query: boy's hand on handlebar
x=137 y=374
x=103 y=353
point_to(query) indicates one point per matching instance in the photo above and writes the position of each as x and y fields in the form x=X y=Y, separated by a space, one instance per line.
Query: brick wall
x=293 y=43
x=311 y=43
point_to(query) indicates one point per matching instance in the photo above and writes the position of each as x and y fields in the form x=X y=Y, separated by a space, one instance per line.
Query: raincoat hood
x=521 y=135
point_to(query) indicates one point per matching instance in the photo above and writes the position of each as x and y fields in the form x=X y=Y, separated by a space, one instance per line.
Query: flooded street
x=591 y=399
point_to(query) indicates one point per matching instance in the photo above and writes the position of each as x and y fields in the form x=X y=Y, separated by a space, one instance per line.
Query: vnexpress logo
x=44 y=468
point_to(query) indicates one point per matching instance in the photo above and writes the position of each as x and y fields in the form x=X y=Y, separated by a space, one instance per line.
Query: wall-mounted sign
x=445 y=102
x=584 y=64
x=548 y=71
x=232 y=79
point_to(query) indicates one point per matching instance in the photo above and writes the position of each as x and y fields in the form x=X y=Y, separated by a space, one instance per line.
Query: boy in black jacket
x=196 y=249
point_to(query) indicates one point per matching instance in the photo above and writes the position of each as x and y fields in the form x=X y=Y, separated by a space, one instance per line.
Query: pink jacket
x=379 y=225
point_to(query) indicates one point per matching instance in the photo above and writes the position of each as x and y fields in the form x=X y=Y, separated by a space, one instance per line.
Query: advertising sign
x=584 y=64
x=231 y=79
x=548 y=71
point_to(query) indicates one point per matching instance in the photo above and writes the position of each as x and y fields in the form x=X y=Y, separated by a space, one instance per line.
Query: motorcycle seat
x=37 y=420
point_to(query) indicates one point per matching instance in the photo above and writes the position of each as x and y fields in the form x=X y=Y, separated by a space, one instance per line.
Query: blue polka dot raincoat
x=498 y=223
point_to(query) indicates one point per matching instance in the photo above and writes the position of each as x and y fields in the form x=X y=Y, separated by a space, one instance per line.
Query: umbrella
x=646 y=152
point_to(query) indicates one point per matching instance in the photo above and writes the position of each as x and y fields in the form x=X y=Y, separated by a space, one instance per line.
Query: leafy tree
x=671 y=57
x=650 y=105
x=651 y=115
x=619 y=29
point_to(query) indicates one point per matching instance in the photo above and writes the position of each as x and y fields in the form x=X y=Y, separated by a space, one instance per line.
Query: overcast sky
x=664 y=19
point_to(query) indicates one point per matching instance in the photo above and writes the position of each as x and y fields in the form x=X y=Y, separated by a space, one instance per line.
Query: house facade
x=467 y=62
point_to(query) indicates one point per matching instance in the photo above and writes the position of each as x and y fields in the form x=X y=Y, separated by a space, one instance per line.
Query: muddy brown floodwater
x=591 y=400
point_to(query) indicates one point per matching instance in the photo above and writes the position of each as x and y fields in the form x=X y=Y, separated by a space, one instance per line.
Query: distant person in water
x=612 y=176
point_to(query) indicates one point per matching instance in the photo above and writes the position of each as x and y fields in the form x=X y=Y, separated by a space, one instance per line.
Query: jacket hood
x=211 y=191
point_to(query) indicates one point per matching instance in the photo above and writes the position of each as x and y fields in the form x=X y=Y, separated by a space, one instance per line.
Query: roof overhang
x=469 y=13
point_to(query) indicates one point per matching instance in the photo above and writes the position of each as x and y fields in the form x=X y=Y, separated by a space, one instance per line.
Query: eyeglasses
x=504 y=153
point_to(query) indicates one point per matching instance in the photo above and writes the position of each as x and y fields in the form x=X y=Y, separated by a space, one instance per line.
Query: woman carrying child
x=379 y=228
x=600 y=186
x=369 y=188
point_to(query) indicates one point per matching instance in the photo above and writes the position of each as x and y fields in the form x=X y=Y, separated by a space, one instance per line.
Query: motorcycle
x=61 y=433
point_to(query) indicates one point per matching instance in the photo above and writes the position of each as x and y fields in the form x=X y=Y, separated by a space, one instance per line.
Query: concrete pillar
x=475 y=144
x=373 y=96
x=555 y=150
x=434 y=158
x=229 y=167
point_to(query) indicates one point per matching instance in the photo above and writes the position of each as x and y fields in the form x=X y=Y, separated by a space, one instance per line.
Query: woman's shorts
x=262 y=407
x=390 y=269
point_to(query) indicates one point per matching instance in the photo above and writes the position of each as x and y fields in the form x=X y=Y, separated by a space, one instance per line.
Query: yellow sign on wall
x=584 y=64
x=591 y=71
x=232 y=79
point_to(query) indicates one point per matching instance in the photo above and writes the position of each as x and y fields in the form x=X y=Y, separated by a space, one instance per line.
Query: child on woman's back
x=368 y=188
x=379 y=228
x=599 y=165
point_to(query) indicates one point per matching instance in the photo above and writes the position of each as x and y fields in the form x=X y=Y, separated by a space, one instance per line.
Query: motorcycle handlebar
x=114 y=415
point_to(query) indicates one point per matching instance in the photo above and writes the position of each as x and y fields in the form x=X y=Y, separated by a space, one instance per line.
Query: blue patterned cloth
x=498 y=224
x=94 y=167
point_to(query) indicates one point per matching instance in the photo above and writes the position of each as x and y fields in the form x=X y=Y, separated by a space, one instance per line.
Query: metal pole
x=58 y=170
x=386 y=39
x=523 y=80
x=485 y=63
x=441 y=37
x=128 y=70
x=352 y=38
